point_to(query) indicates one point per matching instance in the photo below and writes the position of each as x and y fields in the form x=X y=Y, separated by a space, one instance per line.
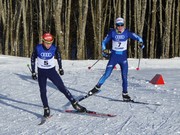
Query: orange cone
x=157 y=79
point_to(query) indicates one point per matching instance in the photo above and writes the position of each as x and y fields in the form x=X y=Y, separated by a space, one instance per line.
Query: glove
x=61 y=71
x=140 y=40
x=34 y=76
x=106 y=53
x=141 y=46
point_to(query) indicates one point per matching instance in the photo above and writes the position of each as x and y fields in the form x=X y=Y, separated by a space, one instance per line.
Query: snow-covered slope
x=21 y=109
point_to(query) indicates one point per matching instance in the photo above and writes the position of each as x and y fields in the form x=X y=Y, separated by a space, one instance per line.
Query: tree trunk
x=166 y=35
x=153 y=29
x=117 y=8
x=136 y=25
x=40 y=31
x=45 y=15
x=67 y=29
x=31 y=47
x=177 y=27
x=160 y=27
x=129 y=26
x=2 y=19
x=25 y=30
x=148 y=29
x=57 y=20
x=6 y=28
x=83 y=8
x=11 y=34
x=16 y=26
x=124 y=9
x=173 y=31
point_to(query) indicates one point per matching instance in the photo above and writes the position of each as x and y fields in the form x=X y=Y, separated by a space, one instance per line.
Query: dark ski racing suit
x=46 y=70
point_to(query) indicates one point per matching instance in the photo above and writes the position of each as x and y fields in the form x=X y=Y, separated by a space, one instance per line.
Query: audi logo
x=117 y=37
x=46 y=54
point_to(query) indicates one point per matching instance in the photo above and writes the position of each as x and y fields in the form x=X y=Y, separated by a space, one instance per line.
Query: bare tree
x=99 y=16
x=129 y=19
x=82 y=10
x=166 y=35
x=148 y=28
x=25 y=28
x=31 y=31
x=40 y=21
x=153 y=30
x=117 y=8
x=67 y=28
x=5 y=18
x=177 y=27
x=17 y=22
x=57 y=8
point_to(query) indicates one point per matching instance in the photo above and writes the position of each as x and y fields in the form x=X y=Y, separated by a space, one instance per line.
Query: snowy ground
x=21 y=108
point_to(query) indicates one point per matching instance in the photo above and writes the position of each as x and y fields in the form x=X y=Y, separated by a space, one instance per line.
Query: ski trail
x=164 y=122
x=123 y=125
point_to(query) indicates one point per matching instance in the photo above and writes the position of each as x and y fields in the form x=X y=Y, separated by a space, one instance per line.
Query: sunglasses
x=119 y=25
x=48 y=42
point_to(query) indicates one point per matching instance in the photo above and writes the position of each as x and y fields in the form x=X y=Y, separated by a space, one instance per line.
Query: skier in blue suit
x=45 y=54
x=119 y=37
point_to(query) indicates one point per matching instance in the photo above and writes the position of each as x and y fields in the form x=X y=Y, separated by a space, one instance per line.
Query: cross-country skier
x=119 y=37
x=45 y=54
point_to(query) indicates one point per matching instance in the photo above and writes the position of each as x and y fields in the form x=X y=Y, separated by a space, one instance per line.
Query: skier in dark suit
x=45 y=54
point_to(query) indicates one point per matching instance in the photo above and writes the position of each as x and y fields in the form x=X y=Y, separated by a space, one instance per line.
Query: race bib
x=45 y=63
x=119 y=45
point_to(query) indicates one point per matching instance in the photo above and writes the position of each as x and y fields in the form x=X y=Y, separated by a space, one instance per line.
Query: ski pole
x=138 y=64
x=140 y=55
x=29 y=68
x=94 y=63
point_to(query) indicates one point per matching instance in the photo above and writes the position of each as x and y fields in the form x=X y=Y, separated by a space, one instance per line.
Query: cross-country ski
x=91 y=113
x=136 y=102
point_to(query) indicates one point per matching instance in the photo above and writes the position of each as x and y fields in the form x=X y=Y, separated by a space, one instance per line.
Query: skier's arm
x=138 y=38
x=104 y=42
x=33 y=60
x=135 y=37
x=58 y=57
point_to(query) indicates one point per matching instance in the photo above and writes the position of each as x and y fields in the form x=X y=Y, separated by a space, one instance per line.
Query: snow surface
x=21 y=108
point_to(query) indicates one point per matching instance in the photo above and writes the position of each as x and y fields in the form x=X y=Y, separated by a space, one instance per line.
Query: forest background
x=79 y=26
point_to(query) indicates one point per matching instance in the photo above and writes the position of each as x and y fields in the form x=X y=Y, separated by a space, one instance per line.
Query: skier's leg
x=107 y=73
x=124 y=72
x=42 y=81
x=57 y=81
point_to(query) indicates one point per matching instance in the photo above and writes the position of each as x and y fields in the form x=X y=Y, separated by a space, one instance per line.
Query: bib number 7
x=119 y=44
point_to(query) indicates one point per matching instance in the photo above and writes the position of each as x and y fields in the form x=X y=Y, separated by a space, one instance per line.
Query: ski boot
x=78 y=107
x=96 y=89
x=126 y=97
x=46 y=112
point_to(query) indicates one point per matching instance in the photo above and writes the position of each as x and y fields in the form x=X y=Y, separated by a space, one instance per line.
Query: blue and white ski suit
x=46 y=70
x=118 y=54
